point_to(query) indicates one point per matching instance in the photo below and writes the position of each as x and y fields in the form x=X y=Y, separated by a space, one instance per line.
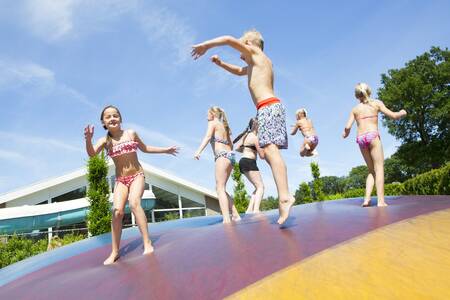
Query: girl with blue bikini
x=218 y=135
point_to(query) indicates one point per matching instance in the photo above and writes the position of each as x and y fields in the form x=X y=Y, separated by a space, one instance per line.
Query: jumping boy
x=271 y=115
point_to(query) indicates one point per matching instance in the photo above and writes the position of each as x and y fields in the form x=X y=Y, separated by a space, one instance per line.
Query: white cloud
x=54 y=20
x=162 y=25
x=38 y=141
x=13 y=75
x=17 y=75
x=50 y=19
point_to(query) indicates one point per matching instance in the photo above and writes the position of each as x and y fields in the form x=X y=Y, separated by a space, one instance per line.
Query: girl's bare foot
x=226 y=220
x=366 y=203
x=285 y=208
x=148 y=250
x=112 y=258
x=236 y=218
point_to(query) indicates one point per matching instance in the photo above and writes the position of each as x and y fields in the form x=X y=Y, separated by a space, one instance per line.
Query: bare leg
x=376 y=151
x=370 y=177
x=135 y=196
x=223 y=171
x=120 y=198
x=234 y=212
x=276 y=162
x=251 y=204
x=255 y=178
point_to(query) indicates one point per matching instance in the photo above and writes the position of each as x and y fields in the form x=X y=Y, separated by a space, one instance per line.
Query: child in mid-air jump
x=271 y=114
x=121 y=145
x=368 y=138
x=307 y=129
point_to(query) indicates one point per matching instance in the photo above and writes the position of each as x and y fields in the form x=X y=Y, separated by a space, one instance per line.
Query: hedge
x=17 y=248
x=434 y=182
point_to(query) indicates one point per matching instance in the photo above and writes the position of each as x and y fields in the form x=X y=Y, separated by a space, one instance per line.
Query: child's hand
x=402 y=113
x=197 y=155
x=346 y=133
x=215 y=59
x=89 y=132
x=198 y=50
x=173 y=150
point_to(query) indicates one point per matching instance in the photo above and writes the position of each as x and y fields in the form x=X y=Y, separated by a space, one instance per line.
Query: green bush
x=303 y=194
x=17 y=248
x=241 y=200
x=317 y=182
x=434 y=182
x=99 y=216
x=269 y=203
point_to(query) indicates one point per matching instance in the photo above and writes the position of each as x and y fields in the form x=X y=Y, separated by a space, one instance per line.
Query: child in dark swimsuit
x=247 y=143
x=368 y=138
x=121 y=146
x=218 y=135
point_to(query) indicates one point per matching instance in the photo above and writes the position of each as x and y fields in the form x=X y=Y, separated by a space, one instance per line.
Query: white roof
x=44 y=184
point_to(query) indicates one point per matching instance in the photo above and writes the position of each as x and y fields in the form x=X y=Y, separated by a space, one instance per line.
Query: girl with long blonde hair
x=368 y=138
x=218 y=134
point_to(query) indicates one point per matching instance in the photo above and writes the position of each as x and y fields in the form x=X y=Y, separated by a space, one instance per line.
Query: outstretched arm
x=233 y=69
x=347 y=128
x=93 y=150
x=200 y=49
x=173 y=150
x=294 y=129
x=390 y=113
x=206 y=139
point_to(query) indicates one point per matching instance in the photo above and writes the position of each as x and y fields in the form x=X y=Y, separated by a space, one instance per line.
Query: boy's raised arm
x=233 y=69
x=200 y=49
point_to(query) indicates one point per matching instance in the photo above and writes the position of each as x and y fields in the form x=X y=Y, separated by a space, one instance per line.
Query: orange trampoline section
x=405 y=260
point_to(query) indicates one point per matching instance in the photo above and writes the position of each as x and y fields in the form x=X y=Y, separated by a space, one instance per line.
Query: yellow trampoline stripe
x=405 y=260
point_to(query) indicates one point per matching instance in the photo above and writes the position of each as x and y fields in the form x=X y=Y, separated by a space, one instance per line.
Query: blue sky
x=62 y=61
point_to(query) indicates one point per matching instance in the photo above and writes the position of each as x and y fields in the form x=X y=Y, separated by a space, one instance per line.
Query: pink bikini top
x=123 y=148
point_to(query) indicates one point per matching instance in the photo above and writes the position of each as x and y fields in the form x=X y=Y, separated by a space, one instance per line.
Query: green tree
x=269 y=203
x=303 y=194
x=240 y=194
x=395 y=170
x=99 y=216
x=422 y=88
x=356 y=178
x=317 y=182
x=333 y=184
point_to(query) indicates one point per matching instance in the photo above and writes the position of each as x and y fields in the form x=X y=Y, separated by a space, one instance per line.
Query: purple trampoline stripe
x=210 y=262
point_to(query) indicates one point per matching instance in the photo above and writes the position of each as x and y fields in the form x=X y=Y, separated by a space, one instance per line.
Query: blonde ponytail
x=363 y=92
x=219 y=113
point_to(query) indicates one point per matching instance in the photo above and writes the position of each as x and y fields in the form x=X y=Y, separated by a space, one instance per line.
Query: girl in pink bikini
x=368 y=138
x=121 y=145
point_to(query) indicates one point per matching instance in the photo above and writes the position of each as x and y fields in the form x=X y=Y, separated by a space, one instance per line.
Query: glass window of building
x=164 y=199
x=190 y=213
x=72 y=195
x=185 y=202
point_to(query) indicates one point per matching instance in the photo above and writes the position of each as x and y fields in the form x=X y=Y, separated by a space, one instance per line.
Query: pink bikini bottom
x=364 y=140
x=128 y=180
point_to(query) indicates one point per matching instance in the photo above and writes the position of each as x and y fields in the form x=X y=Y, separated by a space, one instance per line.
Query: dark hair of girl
x=247 y=130
x=103 y=112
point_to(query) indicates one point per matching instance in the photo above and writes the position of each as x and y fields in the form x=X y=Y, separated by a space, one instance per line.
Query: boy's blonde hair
x=363 y=92
x=254 y=37
x=301 y=110
x=219 y=113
